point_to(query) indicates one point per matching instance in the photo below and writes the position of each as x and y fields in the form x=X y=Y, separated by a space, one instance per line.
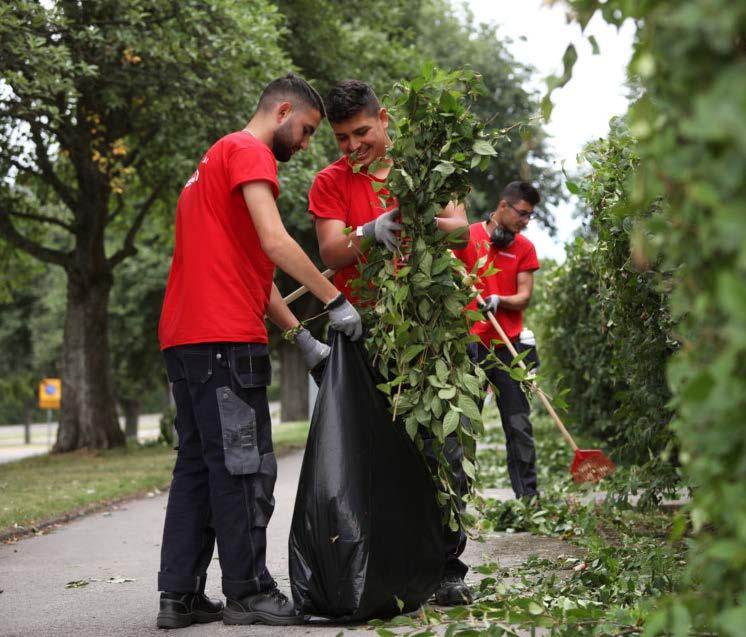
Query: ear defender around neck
x=501 y=237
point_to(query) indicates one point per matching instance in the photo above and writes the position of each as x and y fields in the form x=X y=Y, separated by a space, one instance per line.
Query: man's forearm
x=278 y=311
x=339 y=252
x=517 y=302
x=287 y=255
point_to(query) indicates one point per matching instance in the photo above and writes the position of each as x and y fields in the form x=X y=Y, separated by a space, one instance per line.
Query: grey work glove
x=382 y=229
x=313 y=351
x=490 y=304
x=344 y=318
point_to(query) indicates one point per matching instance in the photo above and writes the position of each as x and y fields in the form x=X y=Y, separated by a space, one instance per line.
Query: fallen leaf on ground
x=118 y=580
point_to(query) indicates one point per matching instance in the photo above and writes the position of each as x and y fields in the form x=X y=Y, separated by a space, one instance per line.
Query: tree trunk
x=293 y=384
x=87 y=417
x=131 y=411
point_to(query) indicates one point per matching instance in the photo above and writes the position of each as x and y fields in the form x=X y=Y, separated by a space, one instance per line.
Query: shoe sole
x=238 y=618
x=172 y=619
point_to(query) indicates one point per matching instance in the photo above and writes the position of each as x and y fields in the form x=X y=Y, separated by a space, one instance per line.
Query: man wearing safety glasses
x=507 y=293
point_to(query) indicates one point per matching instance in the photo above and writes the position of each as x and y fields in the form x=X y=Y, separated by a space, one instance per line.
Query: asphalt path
x=43 y=435
x=117 y=553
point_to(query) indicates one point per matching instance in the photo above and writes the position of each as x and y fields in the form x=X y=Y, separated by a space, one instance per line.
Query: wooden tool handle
x=542 y=396
x=293 y=296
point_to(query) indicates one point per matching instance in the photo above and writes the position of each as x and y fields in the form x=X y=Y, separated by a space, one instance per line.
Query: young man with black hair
x=229 y=238
x=341 y=197
x=507 y=293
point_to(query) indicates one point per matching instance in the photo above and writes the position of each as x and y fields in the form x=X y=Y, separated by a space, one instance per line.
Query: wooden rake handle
x=294 y=296
x=542 y=396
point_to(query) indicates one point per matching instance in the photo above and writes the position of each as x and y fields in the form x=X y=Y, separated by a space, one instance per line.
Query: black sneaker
x=452 y=592
x=179 y=610
x=268 y=607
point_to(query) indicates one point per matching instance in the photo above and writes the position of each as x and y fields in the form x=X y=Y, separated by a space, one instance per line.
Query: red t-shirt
x=339 y=193
x=520 y=256
x=220 y=278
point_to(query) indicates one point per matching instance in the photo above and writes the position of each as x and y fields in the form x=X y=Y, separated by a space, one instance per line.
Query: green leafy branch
x=415 y=304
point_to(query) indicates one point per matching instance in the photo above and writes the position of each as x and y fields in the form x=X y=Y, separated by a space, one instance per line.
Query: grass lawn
x=36 y=489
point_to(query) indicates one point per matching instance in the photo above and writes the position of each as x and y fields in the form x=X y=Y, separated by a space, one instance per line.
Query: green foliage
x=101 y=109
x=451 y=39
x=417 y=331
x=690 y=123
x=607 y=567
x=381 y=43
x=135 y=307
x=31 y=341
x=103 y=119
x=607 y=330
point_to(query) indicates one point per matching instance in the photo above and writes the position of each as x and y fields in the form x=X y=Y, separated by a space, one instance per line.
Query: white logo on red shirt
x=506 y=254
x=193 y=179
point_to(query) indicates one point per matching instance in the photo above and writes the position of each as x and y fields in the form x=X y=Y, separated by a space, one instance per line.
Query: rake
x=296 y=294
x=588 y=465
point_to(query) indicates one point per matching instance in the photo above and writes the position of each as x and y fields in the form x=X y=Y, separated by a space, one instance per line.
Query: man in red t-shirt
x=341 y=197
x=507 y=294
x=229 y=238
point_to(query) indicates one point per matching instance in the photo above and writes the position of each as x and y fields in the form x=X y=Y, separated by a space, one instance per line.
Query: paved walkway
x=124 y=544
x=43 y=435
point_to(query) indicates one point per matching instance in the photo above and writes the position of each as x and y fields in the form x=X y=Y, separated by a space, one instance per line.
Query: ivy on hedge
x=690 y=123
x=607 y=327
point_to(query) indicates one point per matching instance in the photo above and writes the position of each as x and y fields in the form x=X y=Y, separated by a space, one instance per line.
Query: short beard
x=282 y=143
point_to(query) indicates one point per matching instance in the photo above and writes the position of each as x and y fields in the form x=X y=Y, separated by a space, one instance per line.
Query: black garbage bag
x=367 y=532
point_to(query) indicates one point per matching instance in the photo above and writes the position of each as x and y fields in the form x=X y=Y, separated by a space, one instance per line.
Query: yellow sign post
x=50 y=393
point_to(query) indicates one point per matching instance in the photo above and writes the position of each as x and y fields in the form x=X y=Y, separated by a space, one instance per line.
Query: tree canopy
x=105 y=107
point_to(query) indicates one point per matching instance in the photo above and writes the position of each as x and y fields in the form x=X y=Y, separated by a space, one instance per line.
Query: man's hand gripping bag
x=367 y=528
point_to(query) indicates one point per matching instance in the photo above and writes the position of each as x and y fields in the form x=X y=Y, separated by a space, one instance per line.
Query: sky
x=537 y=34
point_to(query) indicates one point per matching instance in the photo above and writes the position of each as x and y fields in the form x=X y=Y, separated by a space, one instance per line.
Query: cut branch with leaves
x=418 y=330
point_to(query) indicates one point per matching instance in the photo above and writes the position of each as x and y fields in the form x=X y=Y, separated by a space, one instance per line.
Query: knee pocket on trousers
x=262 y=488
x=521 y=438
x=238 y=425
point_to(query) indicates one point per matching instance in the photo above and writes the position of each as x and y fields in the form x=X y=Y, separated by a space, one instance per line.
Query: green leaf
x=572 y=187
x=445 y=168
x=732 y=621
x=440 y=265
x=447 y=393
x=483 y=147
x=472 y=384
x=469 y=469
x=441 y=370
x=450 y=422
x=469 y=407
x=411 y=425
x=453 y=306
x=399 y=604
x=594 y=45
x=411 y=352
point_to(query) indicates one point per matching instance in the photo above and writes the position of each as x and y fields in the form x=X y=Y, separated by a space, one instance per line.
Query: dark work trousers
x=225 y=470
x=455 y=541
x=514 y=414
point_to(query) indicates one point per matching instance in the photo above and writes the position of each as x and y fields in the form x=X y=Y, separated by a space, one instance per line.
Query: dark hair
x=294 y=89
x=348 y=98
x=517 y=191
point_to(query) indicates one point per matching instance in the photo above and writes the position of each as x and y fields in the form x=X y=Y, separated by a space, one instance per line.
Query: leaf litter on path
x=117 y=579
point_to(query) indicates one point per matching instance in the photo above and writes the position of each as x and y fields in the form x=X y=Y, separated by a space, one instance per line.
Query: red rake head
x=591 y=465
